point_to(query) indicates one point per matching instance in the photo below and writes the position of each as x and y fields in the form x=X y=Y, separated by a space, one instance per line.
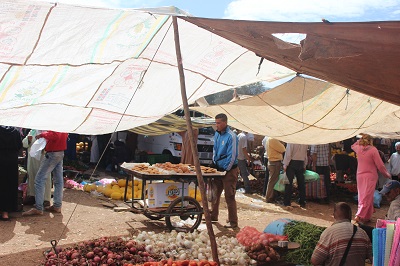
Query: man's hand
x=284 y=168
x=314 y=168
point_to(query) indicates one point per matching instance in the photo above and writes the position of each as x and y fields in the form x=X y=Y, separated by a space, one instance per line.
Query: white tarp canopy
x=310 y=111
x=94 y=70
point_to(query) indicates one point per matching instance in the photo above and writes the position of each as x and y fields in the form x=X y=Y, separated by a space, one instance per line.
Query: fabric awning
x=361 y=56
x=309 y=111
x=95 y=70
x=168 y=124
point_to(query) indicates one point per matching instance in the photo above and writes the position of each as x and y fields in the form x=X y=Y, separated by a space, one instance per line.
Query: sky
x=269 y=10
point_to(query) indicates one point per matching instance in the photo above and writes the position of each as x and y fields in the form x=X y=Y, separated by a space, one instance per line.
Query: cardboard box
x=162 y=194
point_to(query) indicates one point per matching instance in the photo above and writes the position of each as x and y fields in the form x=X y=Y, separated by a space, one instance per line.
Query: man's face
x=398 y=148
x=220 y=124
x=392 y=194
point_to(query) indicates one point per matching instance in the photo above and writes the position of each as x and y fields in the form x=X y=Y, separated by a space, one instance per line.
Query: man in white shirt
x=264 y=144
x=250 y=141
x=394 y=163
x=294 y=164
x=244 y=161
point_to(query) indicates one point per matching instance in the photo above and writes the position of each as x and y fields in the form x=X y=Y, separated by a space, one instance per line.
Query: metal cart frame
x=183 y=207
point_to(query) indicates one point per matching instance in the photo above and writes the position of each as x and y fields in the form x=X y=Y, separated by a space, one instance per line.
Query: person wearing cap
x=392 y=192
x=394 y=162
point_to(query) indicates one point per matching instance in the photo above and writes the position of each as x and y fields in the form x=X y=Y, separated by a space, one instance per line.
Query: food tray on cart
x=181 y=177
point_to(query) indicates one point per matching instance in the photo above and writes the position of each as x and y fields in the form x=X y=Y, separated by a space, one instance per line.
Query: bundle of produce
x=307 y=235
x=262 y=253
x=116 y=189
x=249 y=236
x=102 y=251
x=194 y=246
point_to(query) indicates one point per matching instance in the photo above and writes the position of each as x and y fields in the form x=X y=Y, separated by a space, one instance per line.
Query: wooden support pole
x=193 y=143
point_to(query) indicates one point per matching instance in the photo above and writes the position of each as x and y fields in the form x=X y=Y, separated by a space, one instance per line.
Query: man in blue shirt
x=225 y=159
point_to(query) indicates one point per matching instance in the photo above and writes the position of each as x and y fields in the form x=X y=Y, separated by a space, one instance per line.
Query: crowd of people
x=343 y=243
x=231 y=154
x=49 y=161
x=293 y=159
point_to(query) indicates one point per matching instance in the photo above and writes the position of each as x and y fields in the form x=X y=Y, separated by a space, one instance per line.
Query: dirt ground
x=24 y=239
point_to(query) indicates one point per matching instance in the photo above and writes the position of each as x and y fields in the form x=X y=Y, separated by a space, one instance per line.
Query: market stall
x=164 y=193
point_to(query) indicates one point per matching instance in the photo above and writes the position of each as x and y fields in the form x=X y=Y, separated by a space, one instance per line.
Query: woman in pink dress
x=369 y=162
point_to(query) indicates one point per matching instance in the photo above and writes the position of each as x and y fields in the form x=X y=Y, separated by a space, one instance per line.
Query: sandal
x=5 y=219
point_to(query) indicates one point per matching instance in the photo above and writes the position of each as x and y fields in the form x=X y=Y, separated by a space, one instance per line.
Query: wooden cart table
x=183 y=213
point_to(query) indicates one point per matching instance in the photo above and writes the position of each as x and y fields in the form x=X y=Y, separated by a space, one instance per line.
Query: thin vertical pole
x=193 y=143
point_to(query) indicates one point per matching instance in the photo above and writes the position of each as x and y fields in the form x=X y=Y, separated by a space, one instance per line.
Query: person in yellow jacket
x=275 y=150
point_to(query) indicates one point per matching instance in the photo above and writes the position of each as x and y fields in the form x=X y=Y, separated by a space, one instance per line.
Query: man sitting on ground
x=333 y=242
x=392 y=192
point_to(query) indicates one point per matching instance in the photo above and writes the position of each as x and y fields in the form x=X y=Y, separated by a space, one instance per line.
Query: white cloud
x=103 y=3
x=305 y=10
x=95 y=3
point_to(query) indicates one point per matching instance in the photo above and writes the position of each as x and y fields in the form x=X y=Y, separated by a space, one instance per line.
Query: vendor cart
x=184 y=213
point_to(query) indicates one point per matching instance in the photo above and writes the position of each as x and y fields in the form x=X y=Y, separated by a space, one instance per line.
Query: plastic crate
x=158 y=158
x=140 y=158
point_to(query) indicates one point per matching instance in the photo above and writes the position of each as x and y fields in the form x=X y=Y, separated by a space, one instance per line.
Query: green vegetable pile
x=307 y=235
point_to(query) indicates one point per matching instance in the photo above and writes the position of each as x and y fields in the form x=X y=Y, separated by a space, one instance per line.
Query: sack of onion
x=263 y=254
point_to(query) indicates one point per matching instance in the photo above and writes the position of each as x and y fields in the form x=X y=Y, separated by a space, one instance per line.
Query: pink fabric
x=369 y=162
x=395 y=253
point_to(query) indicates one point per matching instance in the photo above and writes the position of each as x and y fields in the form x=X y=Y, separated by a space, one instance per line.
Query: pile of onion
x=102 y=251
x=194 y=246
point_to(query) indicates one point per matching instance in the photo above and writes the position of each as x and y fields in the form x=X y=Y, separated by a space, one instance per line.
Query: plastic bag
x=282 y=181
x=37 y=148
x=377 y=199
x=310 y=176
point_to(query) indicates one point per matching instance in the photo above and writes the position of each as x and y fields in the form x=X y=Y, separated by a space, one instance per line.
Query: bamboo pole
x=193 y=143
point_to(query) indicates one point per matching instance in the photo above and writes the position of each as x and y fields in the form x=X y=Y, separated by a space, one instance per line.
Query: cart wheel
x=185 y=219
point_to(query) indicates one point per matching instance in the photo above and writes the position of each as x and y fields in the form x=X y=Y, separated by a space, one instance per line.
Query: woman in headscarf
x=369 y=163
x=10 y=144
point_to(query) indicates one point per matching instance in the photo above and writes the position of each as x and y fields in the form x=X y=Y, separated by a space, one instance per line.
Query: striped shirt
x=323 y=154
x=333 y=242
x=394 y=209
